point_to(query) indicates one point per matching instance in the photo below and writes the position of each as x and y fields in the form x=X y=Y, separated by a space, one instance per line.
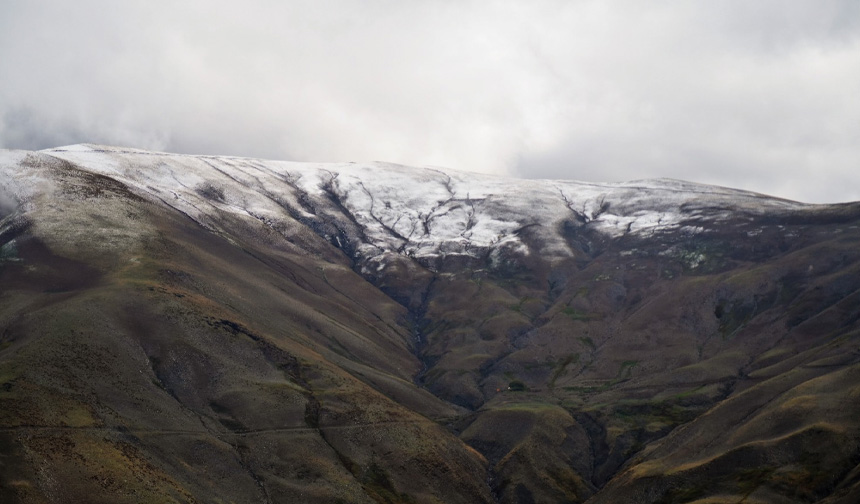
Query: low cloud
x=752 y=95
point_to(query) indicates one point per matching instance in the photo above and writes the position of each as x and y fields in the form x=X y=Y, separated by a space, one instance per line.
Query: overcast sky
x=761 y=95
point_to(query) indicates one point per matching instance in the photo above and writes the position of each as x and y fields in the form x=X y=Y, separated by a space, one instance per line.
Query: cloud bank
x=755 y=95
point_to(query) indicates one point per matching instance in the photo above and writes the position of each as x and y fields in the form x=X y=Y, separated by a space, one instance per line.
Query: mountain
x=180 y=328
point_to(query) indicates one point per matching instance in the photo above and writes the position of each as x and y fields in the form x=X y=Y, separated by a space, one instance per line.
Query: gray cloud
x=756 y=95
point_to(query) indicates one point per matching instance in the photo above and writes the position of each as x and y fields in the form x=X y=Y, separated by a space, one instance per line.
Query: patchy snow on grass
x=420 y=212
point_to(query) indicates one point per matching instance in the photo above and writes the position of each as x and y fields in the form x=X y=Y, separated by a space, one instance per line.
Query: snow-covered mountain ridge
x=374 y=210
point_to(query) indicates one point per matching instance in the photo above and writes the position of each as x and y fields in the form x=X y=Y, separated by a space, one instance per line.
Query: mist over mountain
x=179 y=328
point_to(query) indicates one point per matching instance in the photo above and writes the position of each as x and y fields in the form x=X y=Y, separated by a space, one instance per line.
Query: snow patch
x=383 y=209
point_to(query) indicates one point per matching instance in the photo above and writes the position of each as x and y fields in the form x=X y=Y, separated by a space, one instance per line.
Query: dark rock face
x=178 y=328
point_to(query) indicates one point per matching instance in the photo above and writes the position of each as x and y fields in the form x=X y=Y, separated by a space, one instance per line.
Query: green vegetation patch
x=561 y=367
x=644 y=413
x=527 y=404
x=733 y=315
x=625 y=370
x=378 y=486
x=585 y=340
x=689 y=393
x=750 y=479
x=688 y=492
x=580 y=315
x=517 y=386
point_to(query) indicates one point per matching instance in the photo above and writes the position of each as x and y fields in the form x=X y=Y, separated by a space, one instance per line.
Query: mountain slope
x=191 y=328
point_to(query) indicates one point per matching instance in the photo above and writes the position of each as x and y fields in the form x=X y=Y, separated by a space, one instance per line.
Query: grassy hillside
x=145 y=357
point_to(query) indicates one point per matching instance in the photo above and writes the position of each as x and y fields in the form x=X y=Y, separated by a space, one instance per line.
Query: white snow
x=419 y=212
x=21 y=179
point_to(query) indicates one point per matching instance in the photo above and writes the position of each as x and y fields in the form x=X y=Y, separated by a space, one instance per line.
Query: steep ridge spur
x=380 y=333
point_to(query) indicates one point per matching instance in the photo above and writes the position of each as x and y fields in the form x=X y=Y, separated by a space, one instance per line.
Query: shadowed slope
x=203 y=369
